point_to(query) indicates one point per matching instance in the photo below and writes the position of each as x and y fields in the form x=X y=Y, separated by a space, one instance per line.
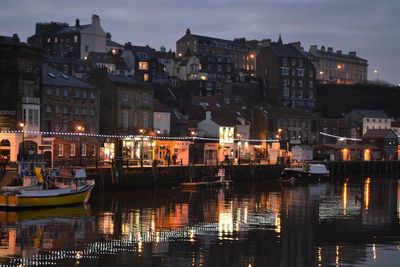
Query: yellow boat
x=56 y=188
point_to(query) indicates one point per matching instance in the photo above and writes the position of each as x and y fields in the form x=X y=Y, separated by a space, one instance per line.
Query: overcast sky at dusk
x=369 y=27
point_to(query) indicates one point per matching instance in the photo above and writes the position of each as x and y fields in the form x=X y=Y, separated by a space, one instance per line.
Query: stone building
x=61 y=39
x=223 y=60
x=362 y=120
x=337 y=67
x=68 y=102
x=288 y=74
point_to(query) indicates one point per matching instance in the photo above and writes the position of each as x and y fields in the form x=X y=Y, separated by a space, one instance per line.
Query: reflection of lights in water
x=345 y=198
x=337 y=256
x=319 y=256
x=191 y=235
x=374 y=252
x=277 y=224
x=366 y=193
x=79 y=255
x=107 y=223
x=225 y=223
x=140 y=246
x=238 y=219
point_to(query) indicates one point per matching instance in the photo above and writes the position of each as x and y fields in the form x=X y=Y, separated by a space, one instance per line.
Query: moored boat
x=304 y=172
x=53 y=187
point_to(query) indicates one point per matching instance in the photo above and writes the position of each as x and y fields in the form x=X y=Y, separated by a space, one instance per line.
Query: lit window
x=84 y=150
x=72 y=152
x=60 y=150
x=48 y=40
x=143 y=65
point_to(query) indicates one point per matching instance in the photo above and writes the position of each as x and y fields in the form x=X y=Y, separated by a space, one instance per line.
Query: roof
x=51 y=76
x=125 y=79
x=337 y=55
x=160 y=107
x=379 y=134
x=347 y=146
x=372 y=113
x=286 y=112
x=286 y=50
x=112 y=43
x=226 y=121
x=164 y=55
x=214 y=40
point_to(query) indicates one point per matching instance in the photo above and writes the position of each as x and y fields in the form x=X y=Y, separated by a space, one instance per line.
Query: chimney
x=313 y=49
x=162 y=49
x=208 y=115
x=77 y=23
x=330 y=49
x=188 y=31
x=108 y=36
x=128 y=46
x=339 y=52
x=296 y=45
x=353 y=53
x=323 y=48
x=95 y=20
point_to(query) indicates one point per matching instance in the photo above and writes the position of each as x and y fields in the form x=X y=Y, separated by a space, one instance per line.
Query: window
x=60 y=150
x=284 y=62
x=77 y=94
x=86 y=48
x=285 y=82
x=300 y=94
x=125 y=120
x=311 y=74
x=311 y=94
x=57 y=92
x=65 y=127
x=65 y=110
x=75 y=38
x=56 y=127
x=286 y=92
x=145 y=119
x=145 y=99
x=300 y=83
x=84 y=94
x=285 y=71
x=293 y=93
x=209 y=86
x=293 y=61
x=293 y=83
x=293 y=72
x=300 y=72
x=300 y=63
x=146 y=77
x=84 y=111
x=65 y=92
x=57 y=109
x=219 y=68
x=228 y=68
x=84 y=150
x=93 y=150
x=72 y=151
x=135 y=120
x=311 y=84
x=48 y=91
x=92 y=96
x=48 y=108
x=91 y=111
x=76 y=111
x=143 y=65
x=125 y=97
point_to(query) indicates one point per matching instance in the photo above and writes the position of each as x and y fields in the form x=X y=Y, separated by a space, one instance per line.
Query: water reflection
x=354 y=222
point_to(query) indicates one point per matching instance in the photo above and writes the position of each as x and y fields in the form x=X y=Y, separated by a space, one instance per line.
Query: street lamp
x=80 y=129
x=377 y=74
x=239 y=145
x=22 y=125
x=141 y=131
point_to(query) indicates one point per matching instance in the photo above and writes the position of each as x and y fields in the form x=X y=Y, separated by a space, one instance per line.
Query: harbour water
x=349 y=222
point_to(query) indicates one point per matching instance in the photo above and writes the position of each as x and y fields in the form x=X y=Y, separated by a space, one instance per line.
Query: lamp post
x=80 y=129
x=22 y=125
x=141 y=131
x=193 y=135
x=377 y=74
x=239 y=143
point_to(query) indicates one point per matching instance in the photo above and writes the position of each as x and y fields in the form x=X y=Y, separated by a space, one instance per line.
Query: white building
x=366 y=119
x=162 y=118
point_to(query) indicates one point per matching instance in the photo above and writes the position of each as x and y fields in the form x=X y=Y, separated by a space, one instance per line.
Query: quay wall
x=108 y=178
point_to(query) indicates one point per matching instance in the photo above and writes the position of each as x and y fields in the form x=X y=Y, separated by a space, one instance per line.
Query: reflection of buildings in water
x=379 y=201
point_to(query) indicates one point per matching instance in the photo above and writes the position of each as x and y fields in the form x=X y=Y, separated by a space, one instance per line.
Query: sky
x=369 y=27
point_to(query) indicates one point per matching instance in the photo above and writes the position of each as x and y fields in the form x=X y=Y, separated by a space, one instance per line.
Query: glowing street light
x=22 y=125
x=80 y=129
x=377 y=74
x=141 y=131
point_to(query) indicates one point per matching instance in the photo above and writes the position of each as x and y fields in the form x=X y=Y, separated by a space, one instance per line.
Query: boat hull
x=20 y=201
x=302 y=176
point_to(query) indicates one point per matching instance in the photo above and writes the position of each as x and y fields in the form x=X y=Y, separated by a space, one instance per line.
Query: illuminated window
x=60 y=150
x=145 y=77
x=143 y=65
x=48 y=40
x=84 y=150
x=72 y=152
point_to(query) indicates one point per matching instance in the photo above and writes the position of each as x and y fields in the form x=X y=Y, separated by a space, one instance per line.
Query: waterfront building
x=337 y=127
x=385 y=139
x=20 y=75
x=288 y=74
x=337 y=67
x=162 y=118
x=223 y=60
x=362 y=120
x=62 y=40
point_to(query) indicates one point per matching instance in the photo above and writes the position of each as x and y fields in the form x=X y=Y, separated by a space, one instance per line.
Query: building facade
x=337 y=67
x=362 y=120
x=288 y=75
x=224 y=60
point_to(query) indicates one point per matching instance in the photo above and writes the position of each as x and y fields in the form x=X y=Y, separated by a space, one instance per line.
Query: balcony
x=31 y=100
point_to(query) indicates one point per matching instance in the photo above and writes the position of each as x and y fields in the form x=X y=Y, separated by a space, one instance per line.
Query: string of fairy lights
x=140 y=136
